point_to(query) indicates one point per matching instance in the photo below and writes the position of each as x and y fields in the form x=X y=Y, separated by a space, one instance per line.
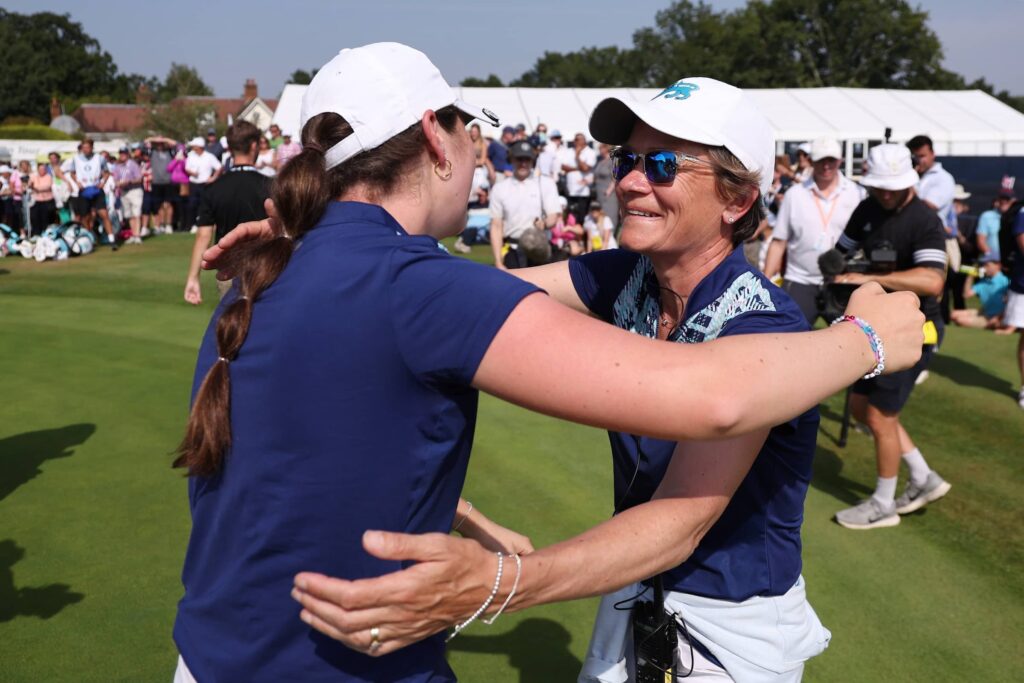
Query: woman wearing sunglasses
x=352 y=387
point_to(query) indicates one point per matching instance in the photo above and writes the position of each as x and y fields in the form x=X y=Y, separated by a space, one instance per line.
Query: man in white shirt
x=202 y=169
x=89 y=172
x=519 y=203
x=578 y=164
x=936 y=189
x=812 y=217
x=937 y=186
x=547 y=162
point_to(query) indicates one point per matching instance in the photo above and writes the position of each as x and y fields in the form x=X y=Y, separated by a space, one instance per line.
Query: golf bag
x=79 y=239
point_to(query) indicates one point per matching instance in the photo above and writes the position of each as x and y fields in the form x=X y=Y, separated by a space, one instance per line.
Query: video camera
x=879 y=257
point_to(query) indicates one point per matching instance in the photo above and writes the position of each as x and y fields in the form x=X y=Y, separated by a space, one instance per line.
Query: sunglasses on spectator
x=660 y=166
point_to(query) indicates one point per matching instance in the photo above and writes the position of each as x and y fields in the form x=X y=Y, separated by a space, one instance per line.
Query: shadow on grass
x=538 y=648
x=828 y=478
x=968 y=374
x=31 y=601
x=22 y=455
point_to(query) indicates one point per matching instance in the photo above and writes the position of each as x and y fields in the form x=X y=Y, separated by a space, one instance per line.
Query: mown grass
x=98 y=358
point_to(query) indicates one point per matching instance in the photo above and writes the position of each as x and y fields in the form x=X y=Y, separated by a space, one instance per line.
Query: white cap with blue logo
x=380 y=89
x=700 y=110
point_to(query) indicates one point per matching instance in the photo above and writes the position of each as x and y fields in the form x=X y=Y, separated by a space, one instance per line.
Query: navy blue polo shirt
x=754 y=547
x=351 y=409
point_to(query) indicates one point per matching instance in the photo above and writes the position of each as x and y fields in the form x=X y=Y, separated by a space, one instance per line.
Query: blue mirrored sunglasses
x=660 y=166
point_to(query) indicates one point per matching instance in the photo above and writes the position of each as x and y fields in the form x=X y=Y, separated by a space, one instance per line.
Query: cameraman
x=893 y=214
x=518 y=204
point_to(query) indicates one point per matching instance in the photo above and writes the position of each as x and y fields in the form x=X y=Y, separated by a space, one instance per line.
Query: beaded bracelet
x=876 y=343
x=483 y=607
x=515 y=585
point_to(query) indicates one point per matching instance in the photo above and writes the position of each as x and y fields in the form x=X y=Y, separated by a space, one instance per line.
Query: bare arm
x=193 y=292
x=773 y=260
x=554 y=279
x=637 y=388
x=923 y=280
x=983 y=243
x=497 y=239
x=452 y=578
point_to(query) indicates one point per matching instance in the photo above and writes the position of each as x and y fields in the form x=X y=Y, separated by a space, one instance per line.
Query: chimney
x=54 y=108
x=143 y=95
x=251 y=91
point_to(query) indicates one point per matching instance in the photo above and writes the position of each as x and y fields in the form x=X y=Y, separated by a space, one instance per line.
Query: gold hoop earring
x=447 y=173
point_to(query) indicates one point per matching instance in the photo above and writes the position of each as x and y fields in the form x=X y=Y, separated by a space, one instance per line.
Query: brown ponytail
x=301 y=192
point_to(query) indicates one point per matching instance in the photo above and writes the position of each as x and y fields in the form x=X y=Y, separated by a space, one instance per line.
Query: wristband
x=876 y=343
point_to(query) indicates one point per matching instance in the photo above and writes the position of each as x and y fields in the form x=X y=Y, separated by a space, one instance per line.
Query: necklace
x=665 y=319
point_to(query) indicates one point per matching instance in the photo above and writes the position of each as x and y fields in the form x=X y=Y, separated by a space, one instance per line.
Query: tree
x=182 y=81
x=767 y=44
x=302 y=77
x=47 y=54
x=491 y=81
x=179 y=120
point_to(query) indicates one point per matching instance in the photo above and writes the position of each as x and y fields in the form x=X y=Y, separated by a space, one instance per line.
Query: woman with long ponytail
x=336 y=388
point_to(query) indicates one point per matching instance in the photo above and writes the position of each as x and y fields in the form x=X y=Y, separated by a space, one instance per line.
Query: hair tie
x=222 y=358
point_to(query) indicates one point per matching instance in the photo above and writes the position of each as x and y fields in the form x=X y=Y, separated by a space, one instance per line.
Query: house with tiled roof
x=118 y=121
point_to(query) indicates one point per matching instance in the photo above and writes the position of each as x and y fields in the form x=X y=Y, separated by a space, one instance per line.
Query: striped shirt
x=913 y=231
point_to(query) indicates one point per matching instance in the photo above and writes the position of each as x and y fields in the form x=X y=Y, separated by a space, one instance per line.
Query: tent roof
x=949 y=117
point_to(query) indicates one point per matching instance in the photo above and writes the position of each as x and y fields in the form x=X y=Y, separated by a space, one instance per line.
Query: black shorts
x=891 y=392
x=148 y=204
x=164 y=192
x=83 y=205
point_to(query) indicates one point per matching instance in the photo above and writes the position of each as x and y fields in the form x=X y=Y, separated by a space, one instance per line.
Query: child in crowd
x=990 y=289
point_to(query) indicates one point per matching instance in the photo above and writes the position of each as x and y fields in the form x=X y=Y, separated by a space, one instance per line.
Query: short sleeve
x=781 y=229
x=446 y=311
x=1018 y=224
x=216 y=163
x=497 y=204
x=600 y=276
x=205 y=217
x=930 y=245
x=853 y=233
x=549 y=196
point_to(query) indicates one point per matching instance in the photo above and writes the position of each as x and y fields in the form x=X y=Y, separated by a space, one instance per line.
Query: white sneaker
x=145 y=232
x=194 y=230
x=1020 y=398
x=462 y=247
x=921 y=378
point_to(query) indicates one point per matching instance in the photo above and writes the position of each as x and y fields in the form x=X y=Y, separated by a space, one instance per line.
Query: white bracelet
x=483 y=607
x=515 y=585
x=464 y=517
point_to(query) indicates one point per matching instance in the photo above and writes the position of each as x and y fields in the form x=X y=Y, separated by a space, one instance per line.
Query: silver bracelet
x=483 y=607
x=515 y=585
x=464 y=517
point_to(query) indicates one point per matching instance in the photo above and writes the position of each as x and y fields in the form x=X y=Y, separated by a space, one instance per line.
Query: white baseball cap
x=823 y=148
x=700 y=110
x=890 y=168
x=380 y=90
x=197 y=142
x=804 y=147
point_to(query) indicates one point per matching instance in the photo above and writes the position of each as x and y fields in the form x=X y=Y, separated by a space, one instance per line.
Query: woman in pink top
x=44 y=211
x=176 y=168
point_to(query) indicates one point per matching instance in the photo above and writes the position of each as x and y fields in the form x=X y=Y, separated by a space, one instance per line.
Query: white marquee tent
x=961 y=122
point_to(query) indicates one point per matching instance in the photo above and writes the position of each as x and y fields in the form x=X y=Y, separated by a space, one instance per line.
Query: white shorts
x=131 y=203
x=1014 y=315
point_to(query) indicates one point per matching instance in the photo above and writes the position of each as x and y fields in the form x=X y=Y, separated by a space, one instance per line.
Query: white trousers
x=182 y=674
x=760 y=640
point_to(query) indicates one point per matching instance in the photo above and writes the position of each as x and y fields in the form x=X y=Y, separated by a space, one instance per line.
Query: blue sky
x=230 y=40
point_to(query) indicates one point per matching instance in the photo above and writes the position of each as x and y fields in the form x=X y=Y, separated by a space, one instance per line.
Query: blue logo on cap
x=681 y=90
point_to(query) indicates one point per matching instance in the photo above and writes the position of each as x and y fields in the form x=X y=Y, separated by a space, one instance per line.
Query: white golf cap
x=823 y=148
x=804 y=147
x=380 y=90
x=197 y=142
x=4 y=168
x=890 y=168
x=700 y=110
